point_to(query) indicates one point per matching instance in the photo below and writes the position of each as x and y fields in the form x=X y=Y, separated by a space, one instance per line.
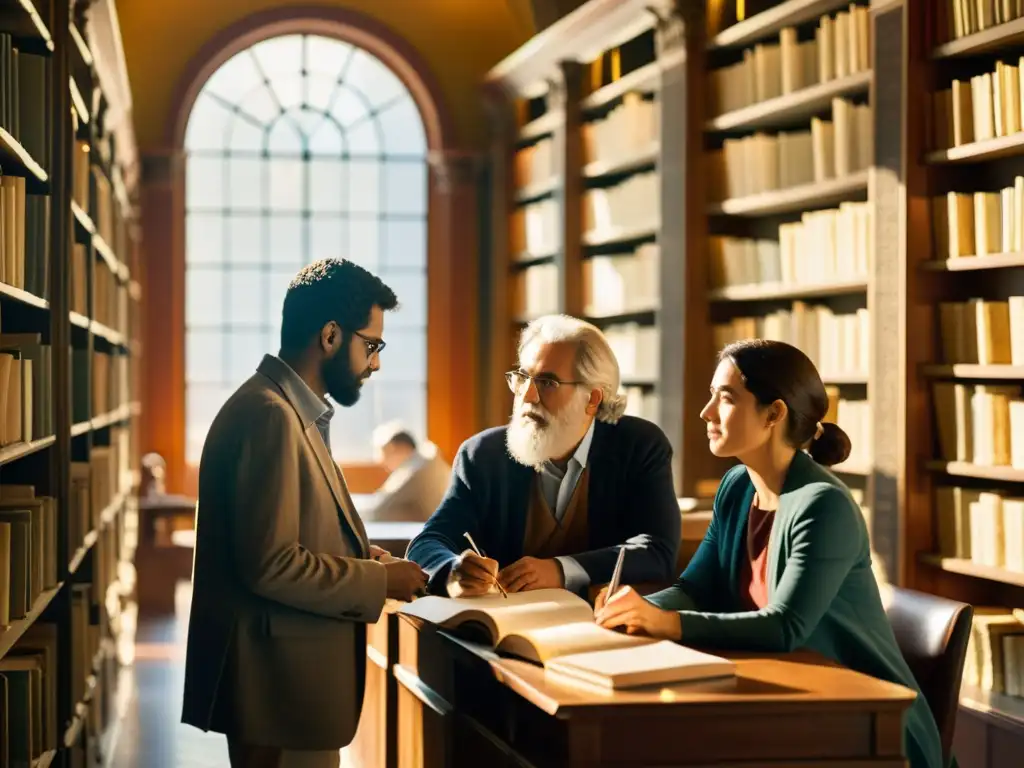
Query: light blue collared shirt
x=311 y=408
x=558 y=487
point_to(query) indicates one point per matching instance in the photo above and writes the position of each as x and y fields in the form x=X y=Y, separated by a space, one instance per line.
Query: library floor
x=151 y=734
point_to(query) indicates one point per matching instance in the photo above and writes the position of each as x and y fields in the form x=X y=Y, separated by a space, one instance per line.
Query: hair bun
x=831 y=447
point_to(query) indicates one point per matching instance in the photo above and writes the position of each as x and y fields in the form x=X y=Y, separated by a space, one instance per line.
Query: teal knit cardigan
x=822 y=594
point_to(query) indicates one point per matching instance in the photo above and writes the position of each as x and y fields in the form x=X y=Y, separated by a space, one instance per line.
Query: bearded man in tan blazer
x=284 y=579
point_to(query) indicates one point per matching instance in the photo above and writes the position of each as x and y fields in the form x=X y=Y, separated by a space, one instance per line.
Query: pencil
x=480 y=552
x=613 y=585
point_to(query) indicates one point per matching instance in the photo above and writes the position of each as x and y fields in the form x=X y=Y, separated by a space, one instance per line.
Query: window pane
x=405 y=187
x=364 y=186
x=327 y=57
x=288 y=90
x=246 y=136
x=320 y=90
x=204 y=356
x=403 y=129
x=248 y=302
x=287 y=192
x=279 y=55
x=326 y=140
x=286 y=241
x=405 y=243
x=326 y=237
x=412 y=298
x=260 y=105
x=204 y=297
x=245 y=238
x=245 y=350
x=279 y=282
x=246 y=183
x=351 y=429
x=207 y=124
x=202 y=403
x=362 y=245
x=372 y=79
x=364 y=139
x=204 y=238
x=348 y=106
x=238 y=75
x=204 y=180
x=405 y=359
x=327 y=185
x=405 y=403
x=284 y=137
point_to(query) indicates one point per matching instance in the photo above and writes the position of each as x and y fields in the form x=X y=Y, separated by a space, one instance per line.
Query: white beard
x=532 y=444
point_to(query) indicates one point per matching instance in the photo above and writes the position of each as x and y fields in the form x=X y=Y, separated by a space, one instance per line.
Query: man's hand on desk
x=405 y=578
x=532 y=573
x=627 y=609
x=472 y=575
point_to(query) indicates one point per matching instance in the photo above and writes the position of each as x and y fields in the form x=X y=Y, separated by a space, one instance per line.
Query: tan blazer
x=412 y=493
x=282 y=587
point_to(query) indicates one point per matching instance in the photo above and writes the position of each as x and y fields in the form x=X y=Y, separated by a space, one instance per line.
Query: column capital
x=455 y=167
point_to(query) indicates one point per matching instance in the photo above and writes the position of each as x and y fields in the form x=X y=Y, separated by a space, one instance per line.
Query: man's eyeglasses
x=373 y=346
x=545 y=384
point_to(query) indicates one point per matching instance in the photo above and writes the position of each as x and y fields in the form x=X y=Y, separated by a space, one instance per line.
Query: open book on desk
x=555 y=628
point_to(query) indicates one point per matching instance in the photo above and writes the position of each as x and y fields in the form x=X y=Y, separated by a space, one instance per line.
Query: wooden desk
x=460 y=705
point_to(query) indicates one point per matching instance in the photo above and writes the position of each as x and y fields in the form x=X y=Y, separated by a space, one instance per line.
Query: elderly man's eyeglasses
x=517 y=380
x=373 y=346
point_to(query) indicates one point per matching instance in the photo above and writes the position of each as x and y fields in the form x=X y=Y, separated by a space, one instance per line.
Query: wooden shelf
x=79 y=320
x=15 y=451
x=644 y=79
x=844 y=379
x=79 y=557
x=22 y=297
x=107 y=254
x=796 y=107
x=18 y=627
x=22 y=21
x=536 y=190
x=771 y=21
x=969 y=263
x=78 y=102
x=804 y=197
x=16 y=161
x=524 y=259
x=112 y=337
x=773 y=291
x=973 y=371
x=82 y=219
x=81 y=45
x=1007 y=711
x=45 y=760
x=542 y=126
x=620 y=235
x=980 y=151
x=640 y=161
x=987 y=41
x=966 y=469
x=970 y=568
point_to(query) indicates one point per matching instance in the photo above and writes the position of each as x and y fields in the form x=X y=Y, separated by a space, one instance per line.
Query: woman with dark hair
x=785 y=563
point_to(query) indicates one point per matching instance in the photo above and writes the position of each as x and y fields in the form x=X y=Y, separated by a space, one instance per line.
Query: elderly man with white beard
x=551 y=498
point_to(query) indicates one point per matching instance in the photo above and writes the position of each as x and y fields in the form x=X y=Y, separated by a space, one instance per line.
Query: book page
x=544 y=643
x=519 y=611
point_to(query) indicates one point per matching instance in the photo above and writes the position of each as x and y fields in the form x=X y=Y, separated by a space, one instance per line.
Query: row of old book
x=839 y=344
x=100 y=383
x=26 y=388
x=987 y=106
x=979 y=223
x=625 y=132
x=824 y=247
x=109 y=294
x=766 y=162
x=995 y=651
x=982 y=331
x=24 y=105
x=959 y=18
x=612 y=285
x=980 y=424
x=24 y=237
x=983 y=526
x=841 y=47
x=30 y=525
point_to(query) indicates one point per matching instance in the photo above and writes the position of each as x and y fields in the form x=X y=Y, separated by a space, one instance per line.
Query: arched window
x=298 y=148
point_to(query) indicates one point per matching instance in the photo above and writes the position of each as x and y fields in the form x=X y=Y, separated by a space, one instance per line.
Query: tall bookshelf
x=965 y=361
x=69 y=357
x=845 y=254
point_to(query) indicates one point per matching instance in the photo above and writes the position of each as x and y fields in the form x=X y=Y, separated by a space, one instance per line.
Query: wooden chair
x=932 y=634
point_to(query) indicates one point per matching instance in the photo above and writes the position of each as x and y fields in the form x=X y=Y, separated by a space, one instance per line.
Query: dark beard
x=342 y=384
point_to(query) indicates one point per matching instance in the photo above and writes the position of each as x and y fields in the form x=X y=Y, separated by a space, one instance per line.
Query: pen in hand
x=613 y=585
x=481 y=554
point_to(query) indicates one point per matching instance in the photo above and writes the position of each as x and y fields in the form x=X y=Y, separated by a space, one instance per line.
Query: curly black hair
x=326 y=290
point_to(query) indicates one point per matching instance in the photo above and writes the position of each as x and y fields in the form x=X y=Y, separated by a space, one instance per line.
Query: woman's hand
x=626 y=608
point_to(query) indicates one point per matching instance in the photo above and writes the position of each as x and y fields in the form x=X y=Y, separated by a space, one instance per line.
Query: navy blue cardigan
x=631 y=501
